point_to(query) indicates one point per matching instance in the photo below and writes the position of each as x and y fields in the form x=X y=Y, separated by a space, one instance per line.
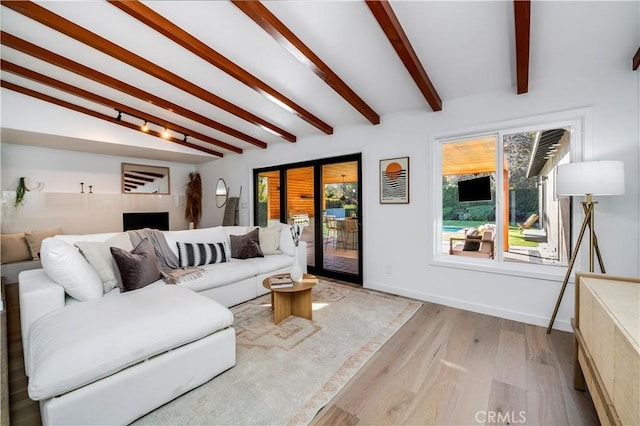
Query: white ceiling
x=465 y=47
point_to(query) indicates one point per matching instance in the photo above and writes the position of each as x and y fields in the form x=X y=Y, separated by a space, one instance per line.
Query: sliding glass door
x=328 y=192
x=341 y=226
x=267 y=206
x=300 y=201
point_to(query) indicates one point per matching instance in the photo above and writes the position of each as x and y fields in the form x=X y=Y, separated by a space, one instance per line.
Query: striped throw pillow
x=197 y=254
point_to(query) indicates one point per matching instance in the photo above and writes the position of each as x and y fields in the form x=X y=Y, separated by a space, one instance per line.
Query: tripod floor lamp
x=587 y=178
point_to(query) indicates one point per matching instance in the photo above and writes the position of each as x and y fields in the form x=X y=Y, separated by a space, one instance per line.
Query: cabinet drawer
x=626 y=387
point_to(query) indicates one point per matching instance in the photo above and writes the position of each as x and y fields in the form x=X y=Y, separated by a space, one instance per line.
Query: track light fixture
x=166 y=132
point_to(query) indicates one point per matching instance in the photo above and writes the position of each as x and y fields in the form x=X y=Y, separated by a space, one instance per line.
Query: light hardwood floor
x=22 y=410
x=444 y=366
x=448 y=366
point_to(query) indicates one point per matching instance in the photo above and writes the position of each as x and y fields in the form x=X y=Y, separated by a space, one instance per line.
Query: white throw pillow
x=286 y=240
x=74 y=238
x=269 y=239
x=66 y=266
x=99 y=257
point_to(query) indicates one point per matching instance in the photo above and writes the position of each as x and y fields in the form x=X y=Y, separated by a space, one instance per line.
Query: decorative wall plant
x=20 y=191
x=23 y=187
x=193 y=210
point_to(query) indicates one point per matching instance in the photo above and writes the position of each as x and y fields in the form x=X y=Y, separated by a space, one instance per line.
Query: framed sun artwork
x=394 y=181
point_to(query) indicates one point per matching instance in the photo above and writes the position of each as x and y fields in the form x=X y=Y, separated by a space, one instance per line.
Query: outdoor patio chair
x=351 y=230
x=332 y=230
x=531 y=220
x=473 y=245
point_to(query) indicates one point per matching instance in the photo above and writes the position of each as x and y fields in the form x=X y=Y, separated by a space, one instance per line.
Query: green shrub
x=479 y=212
x=333 y=203
x=448 y=213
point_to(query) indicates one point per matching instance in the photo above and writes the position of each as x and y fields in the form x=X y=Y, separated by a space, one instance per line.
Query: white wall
x=62 y=170
x=50 y=119
x=398 y=236
x=60 y=203
x=588 y=69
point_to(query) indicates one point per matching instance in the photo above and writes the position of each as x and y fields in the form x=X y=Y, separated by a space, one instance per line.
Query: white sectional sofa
x=118 y=355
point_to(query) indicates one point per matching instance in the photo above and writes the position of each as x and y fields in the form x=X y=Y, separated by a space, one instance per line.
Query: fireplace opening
x=153 y=220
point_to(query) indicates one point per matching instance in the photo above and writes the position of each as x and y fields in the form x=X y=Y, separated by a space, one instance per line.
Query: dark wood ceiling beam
x=31 y=49
x=76 y=91
x=636 y=60
x=522 y=18
x=287 y=39
x=390 y=25
x=60 y=85
x=173 y=32
x=77 y=108
x=64 y=26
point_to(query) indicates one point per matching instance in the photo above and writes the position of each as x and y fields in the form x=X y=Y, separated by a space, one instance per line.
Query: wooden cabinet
x=607 y=330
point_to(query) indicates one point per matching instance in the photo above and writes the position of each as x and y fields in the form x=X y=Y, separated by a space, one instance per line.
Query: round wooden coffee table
x=294 y=300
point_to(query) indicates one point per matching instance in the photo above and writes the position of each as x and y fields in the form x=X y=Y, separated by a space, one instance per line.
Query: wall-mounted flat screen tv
x=477 y=189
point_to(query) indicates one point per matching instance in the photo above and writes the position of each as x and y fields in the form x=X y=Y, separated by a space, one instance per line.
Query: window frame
x=578 y=120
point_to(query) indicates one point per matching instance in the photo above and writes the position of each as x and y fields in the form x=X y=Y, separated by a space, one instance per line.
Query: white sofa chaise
x=116 y=357
x=112 y=360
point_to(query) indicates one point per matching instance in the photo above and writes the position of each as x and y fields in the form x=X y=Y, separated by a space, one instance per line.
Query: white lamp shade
x=590 y=177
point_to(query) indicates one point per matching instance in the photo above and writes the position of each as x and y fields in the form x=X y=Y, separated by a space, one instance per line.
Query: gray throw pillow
x=246 y=246
x=473 y=241
x=138 y=268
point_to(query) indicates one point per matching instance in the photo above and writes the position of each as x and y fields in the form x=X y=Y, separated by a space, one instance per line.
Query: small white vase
x=296 y=270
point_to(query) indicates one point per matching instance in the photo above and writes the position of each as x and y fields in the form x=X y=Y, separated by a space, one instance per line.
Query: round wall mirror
x=221 y=193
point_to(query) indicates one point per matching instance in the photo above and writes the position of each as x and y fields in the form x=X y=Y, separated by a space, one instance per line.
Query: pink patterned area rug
x=286 y=373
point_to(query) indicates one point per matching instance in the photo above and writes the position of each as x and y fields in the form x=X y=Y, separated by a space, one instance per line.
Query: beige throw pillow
x=14 y=248
x=34 y=239
x=98 y=254
x=270 y=239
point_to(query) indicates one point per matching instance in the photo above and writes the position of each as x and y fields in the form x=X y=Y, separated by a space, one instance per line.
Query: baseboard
x=473 y=307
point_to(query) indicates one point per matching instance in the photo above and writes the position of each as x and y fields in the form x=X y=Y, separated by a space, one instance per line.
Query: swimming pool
x=451 y=228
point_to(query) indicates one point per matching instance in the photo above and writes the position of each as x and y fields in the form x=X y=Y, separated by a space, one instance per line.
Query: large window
x=497 y=202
